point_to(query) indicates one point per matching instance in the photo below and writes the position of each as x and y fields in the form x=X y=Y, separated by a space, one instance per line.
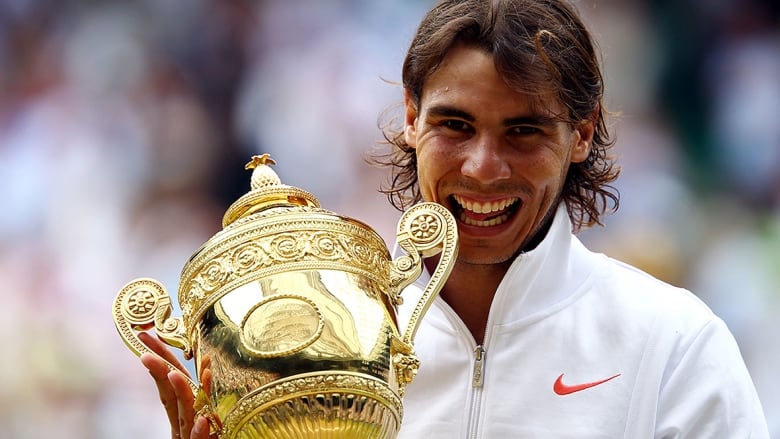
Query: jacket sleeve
x=707 y=391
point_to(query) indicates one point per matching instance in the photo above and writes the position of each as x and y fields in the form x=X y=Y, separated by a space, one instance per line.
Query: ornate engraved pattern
x=406 y=365
x=320 y=386
x=425 y=227
x=443 y=238
x=245 y=252
x=142 y=304
x=281 y=325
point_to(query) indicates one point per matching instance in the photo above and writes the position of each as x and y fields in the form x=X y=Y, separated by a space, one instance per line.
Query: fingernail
x=198 y=427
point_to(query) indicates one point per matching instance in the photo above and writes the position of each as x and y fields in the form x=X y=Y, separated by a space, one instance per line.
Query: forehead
x=468 y=77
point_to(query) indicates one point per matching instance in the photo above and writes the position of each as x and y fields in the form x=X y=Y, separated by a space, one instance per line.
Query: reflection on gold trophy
x=289 y=313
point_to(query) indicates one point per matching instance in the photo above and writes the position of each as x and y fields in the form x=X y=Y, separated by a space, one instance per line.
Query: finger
x=159 y=371
x=205 y=380
x=200 y=430
x=206 y=361
x=157 y=346
x=185 y=400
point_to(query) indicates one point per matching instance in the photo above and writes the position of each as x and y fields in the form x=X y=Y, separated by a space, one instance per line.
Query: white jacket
x=563 y=311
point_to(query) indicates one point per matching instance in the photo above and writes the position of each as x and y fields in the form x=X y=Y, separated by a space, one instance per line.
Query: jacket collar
x=543 y=279
x=537 y=282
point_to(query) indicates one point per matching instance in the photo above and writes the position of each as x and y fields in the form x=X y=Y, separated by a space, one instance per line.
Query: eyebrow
x=532 y=119
x=447 y=111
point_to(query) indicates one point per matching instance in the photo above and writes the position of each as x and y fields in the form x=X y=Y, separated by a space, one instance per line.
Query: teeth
x=487 y=223
x=488 y=207
x=484 y=208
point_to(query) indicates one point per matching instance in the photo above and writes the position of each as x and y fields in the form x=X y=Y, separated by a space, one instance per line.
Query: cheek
x=546 y=172
x=426 y=175
x=433 y=164
x=543 y=165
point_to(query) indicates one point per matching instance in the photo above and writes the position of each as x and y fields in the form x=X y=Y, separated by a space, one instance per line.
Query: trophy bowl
x=289 y=314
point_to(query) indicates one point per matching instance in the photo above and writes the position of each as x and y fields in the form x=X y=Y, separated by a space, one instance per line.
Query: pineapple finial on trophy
x=262 y=174
x=266 y=191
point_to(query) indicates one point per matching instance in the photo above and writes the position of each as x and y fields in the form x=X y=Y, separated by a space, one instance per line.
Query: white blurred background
x=125 y=125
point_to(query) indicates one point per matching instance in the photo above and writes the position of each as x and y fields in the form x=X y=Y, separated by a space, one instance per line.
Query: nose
x=485 y=161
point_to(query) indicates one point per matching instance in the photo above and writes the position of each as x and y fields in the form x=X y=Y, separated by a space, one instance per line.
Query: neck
x=470 y=288
x=469 y=291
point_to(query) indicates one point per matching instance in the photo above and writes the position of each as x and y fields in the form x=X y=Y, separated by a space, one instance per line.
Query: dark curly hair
x=536 y=45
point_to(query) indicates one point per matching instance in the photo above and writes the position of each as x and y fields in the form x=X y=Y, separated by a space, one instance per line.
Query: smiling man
x=497 y=158
x=533 y=335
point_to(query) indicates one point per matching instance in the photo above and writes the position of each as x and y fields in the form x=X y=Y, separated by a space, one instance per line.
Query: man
x=533 y=335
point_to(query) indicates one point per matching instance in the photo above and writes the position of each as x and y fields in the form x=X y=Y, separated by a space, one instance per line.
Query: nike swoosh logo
x=564 y=389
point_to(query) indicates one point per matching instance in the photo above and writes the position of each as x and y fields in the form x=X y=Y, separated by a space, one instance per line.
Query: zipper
x=479 y=367
x=477 y=378
x=478 y=370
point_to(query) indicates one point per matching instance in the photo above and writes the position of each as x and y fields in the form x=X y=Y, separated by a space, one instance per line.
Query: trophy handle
x=144 y=304
x=425 y=230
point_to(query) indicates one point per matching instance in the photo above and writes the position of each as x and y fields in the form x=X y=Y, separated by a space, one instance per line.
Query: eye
x=456 y=125
x=524 y=130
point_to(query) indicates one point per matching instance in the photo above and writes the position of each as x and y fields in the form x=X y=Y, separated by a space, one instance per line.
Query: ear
x=410 y=120
x=583 y=139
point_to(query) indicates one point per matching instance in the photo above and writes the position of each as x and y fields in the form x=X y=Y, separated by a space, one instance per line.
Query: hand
x=174 y=389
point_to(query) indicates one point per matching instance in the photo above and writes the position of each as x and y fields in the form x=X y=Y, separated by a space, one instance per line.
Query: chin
x=485 y=256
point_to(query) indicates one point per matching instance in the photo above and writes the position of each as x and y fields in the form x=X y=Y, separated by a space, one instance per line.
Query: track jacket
x=579 y=345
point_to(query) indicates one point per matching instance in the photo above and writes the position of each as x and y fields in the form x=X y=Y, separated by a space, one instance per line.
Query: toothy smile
x=484 y=214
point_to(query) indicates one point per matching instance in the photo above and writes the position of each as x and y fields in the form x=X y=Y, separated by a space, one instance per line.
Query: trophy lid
x=276 y=228
x=266 y=191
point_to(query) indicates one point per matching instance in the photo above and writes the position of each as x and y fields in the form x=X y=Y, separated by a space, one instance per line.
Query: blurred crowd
x=125 y=126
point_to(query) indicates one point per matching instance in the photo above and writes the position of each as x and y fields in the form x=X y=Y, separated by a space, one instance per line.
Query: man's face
x=496 y=161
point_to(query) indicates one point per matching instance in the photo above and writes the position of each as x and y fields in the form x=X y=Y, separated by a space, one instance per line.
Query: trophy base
x=322 y=405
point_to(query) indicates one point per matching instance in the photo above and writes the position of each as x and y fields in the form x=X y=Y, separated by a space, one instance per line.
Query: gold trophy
x=289 y=313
